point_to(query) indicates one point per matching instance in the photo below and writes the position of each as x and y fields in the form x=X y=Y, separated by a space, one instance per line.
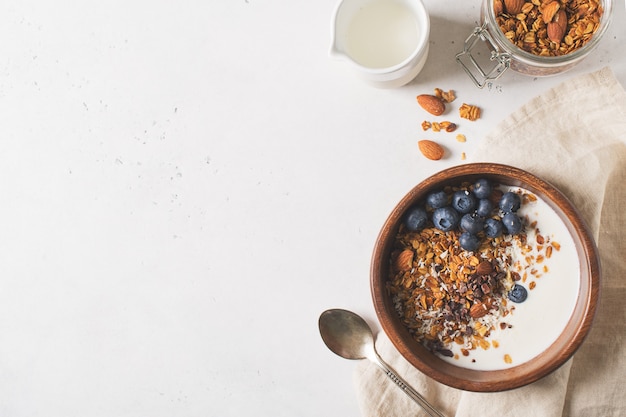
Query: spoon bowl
x=346 y=334
x=349 y=336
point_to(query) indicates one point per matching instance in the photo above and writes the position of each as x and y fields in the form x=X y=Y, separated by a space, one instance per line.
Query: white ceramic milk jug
x=385 y=41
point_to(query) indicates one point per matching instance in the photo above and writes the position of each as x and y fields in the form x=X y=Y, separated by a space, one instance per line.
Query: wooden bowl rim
x=499 y=380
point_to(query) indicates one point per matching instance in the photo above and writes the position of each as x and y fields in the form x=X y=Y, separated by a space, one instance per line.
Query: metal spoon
x=349 y=336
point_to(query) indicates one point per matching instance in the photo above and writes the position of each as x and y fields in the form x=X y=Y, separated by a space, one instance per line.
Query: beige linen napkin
x=573 y=136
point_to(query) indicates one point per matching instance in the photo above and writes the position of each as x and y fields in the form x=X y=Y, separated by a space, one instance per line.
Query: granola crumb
x=469 y=112
x=447 y=97
x=446 y=126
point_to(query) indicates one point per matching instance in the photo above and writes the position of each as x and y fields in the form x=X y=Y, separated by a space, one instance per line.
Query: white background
x=185 y=186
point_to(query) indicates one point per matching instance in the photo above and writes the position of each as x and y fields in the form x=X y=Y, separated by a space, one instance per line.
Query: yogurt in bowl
x=465 y=305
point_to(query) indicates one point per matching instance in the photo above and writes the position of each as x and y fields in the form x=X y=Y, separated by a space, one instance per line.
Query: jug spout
x=338 y=29
x=336 y=53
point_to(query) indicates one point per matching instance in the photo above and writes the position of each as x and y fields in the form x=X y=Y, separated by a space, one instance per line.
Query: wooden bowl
x=492 y=380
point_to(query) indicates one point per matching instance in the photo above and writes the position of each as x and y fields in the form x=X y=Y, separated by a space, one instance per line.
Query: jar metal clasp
x=473 y=68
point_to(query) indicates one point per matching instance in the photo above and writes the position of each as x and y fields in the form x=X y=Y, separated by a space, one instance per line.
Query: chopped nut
x=448 y=97
x=439 y=126
x=461 y=138
x=484 y=268
x=450 y=127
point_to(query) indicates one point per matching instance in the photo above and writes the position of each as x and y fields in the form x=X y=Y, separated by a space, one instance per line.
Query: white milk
x=382 y=34
x=538 y=321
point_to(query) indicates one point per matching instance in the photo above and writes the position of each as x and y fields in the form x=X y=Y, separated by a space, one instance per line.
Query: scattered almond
x=432 y=104
x=430 y=149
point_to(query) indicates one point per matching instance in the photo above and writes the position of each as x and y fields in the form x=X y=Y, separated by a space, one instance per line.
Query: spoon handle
x=408 y=390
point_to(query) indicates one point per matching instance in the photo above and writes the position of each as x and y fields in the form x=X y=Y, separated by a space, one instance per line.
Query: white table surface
x=186 y=186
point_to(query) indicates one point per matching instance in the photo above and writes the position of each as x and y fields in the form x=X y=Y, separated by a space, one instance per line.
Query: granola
x=446 y=296
x=530 y=29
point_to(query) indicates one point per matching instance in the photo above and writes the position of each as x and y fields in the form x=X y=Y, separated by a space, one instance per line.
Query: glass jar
x=505 y=54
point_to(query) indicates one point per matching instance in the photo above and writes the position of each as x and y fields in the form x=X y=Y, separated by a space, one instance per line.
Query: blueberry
x=512 y=223
x=482 y=188
x=469 y=241
x=463 y=201
x=484 y=207
x=518 y=294
x=416 y=219
x=493 y=228
x=510 y=202
x=445 y=218
x=437 y=199
x=472 y=223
